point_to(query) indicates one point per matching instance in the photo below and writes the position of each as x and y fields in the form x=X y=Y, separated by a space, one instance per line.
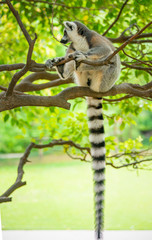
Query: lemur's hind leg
x=64 y=70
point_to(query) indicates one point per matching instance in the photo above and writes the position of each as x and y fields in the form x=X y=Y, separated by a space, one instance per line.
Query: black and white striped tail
x=96 y=128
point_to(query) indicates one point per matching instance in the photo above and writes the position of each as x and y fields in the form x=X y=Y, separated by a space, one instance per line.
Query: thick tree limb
x=11 y=67
x=61 y=99
x=27 y=85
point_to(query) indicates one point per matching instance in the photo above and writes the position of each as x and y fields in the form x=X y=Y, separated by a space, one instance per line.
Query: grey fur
x=88 y=44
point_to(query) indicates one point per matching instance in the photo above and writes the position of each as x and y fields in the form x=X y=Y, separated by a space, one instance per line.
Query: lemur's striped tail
x=96 y=128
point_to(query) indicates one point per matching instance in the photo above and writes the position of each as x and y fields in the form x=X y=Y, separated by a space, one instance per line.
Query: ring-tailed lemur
x=87 y=44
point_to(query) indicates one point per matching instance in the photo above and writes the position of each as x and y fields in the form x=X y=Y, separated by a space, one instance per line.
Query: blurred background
x=59 y=190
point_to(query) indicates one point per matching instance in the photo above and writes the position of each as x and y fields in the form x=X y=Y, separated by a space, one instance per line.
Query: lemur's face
x=70 y=32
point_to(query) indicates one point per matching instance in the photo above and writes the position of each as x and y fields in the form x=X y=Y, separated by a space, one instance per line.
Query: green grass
x=59 y=196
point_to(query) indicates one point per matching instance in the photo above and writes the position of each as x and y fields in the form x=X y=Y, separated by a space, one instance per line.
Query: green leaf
x=6 y=117
x=122 y=126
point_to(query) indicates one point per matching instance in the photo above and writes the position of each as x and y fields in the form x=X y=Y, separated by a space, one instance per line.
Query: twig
x=52 y=23
x=123 y=38
x=132 y=154
x=16 y=15
x=137 y=67
x=135 y=163
x=138 y=60
x=116 y=18
x=77 y=158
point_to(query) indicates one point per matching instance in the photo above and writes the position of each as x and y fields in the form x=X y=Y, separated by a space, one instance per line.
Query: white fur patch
x=96 y=152
x=96 y=165
x=99 y=198
x=95 y=123
x=80 y=43
x=98 y=177
x=93 y=112
x=99 y=188
x=93 y=101
x=96 y=138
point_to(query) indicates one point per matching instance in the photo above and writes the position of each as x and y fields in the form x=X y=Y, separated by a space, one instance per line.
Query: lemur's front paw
x=79 y=56
x=49 y=64
x=57 y=60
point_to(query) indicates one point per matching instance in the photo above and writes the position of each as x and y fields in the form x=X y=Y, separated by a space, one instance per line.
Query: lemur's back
x=101 y=78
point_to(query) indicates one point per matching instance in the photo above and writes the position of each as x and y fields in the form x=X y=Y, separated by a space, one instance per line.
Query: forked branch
x=31 y=43
x=118 y=16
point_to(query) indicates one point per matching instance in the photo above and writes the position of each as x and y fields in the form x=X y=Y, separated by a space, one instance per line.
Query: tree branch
x=116 y=18
x=31 y=43
x=136 y=67
x=123 y=38
x=61 y=99
x=138 y=60
x=24 y=159
x=135 y=163
x=27 y=85
x=16 y=15
x=11 y=67
x=18 y=183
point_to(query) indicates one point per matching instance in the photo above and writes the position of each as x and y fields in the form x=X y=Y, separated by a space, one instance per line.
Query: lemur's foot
x=51 y=62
